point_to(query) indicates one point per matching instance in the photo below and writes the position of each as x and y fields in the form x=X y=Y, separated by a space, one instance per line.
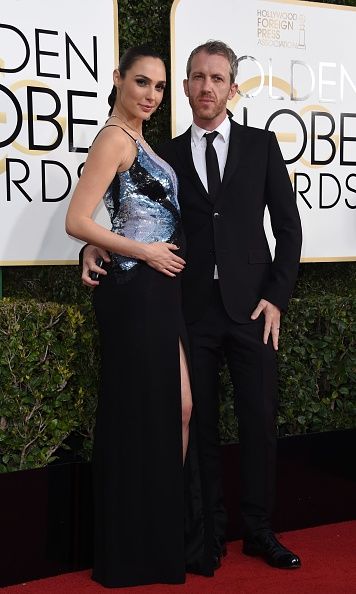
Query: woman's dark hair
x=127 y=60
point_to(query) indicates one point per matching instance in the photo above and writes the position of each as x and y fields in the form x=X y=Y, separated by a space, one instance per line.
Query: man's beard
x=207 y=113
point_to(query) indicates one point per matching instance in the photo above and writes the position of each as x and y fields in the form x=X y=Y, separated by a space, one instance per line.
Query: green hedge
x=49 y=376
x=48 y=380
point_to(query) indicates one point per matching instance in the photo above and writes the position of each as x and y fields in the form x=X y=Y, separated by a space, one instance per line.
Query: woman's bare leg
x=186 y=398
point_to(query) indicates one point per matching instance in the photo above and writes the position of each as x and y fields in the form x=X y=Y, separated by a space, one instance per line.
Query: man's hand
x=272 y=315
x=90 y=255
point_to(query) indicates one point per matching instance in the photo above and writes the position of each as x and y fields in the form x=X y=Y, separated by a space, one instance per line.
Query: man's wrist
x=81 y=254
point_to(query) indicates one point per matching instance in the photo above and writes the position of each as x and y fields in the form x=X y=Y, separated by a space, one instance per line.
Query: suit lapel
x=232 y=161
x=233 y=155
x=186 y=157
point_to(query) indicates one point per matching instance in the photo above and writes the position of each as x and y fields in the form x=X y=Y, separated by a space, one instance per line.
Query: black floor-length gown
x=137 y=459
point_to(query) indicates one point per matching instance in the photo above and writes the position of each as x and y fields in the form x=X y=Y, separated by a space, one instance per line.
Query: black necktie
x=212 y=165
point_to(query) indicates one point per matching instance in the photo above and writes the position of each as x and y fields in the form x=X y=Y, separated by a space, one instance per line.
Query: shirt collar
x=223 y=129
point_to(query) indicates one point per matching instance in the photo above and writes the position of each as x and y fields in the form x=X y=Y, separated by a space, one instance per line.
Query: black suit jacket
x=230 y=232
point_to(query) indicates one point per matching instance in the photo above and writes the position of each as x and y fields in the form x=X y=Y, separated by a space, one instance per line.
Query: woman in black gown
x=145 y=400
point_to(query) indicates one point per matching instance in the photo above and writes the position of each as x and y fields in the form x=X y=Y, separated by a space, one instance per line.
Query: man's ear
x=233 y=90
x=185 y=86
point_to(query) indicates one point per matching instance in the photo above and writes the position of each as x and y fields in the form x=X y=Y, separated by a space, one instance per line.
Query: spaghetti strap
x=128 y=133
x=112 y=126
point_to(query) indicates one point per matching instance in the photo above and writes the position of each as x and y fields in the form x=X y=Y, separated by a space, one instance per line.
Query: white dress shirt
x=221 y=145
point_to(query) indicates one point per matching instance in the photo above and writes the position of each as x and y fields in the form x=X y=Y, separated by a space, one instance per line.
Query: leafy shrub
x=48 y=380
x=49 y=376
x=318 y=365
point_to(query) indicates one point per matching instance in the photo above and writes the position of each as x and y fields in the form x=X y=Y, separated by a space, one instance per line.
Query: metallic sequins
x=142 y=203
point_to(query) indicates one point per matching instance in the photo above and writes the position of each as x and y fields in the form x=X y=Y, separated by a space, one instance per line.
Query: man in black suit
x=233 y=292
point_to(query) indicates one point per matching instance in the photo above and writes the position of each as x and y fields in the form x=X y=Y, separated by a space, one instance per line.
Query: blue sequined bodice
x=142 y=203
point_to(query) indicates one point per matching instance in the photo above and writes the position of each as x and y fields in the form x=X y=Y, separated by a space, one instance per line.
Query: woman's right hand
x=161 y=257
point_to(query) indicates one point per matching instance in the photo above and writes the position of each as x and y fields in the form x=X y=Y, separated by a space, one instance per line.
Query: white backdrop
x=56 y=63
x=297 y=77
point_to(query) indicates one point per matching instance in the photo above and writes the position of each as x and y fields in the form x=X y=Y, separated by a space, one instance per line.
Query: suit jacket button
x=216 y=215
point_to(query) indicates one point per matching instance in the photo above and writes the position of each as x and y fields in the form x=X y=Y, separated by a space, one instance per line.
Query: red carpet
x=328 y=556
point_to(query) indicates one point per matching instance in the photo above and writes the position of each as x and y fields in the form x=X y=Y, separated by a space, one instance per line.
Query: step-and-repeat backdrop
x=56 y=64
x=297 y=77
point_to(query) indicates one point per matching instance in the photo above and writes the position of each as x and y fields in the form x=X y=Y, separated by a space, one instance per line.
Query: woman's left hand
x=161 y=257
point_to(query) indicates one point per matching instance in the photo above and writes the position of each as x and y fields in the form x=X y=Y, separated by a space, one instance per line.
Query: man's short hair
x=216 y=47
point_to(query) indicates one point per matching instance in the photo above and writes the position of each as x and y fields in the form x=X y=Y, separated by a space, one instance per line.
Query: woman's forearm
x=91 y=232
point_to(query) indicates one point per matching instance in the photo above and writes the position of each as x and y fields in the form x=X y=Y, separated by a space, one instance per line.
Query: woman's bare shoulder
x=113 y=145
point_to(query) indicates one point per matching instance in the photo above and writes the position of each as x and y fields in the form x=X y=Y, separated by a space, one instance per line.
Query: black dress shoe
x=218 y=557
x=216 y=562
x=267 y=546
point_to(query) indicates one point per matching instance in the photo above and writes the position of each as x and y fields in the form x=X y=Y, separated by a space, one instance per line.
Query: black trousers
x=253 y=370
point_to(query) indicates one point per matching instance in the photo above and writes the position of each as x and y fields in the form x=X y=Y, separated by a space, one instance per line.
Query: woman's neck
x=134 y=124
